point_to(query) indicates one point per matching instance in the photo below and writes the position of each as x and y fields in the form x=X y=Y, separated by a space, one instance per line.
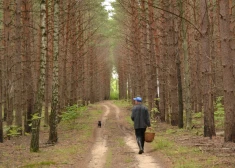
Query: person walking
x=141 y=119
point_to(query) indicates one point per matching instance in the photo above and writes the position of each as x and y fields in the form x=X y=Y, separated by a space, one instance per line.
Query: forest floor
x=82 y=144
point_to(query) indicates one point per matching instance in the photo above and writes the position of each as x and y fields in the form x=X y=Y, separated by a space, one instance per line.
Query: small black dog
x=99 y=124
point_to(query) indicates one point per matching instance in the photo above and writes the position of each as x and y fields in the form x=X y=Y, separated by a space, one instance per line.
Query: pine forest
x=178 y=55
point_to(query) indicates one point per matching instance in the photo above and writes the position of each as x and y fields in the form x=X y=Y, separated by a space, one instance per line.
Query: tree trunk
x=144 y=49
x=61 y=56
x=180 y=95
x=171 y=37
x=8 y=84
x=1 y=117
x=28 y=81
x=66 y=58
x=162 y=68
x=209 y=127
x=48 y=84
x=153 y=54
x=18 y=72
x=188 y=107
x=55 y=87
x=198 y=81
x=34 y=146
x=227 y=53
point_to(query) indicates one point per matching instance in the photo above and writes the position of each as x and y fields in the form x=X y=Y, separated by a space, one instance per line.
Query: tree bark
x=34 y=145
x=227 y=53
x=1 y=86
x=55 y=87
x=28 y=81
x=188 y=107
x=48 y=84
x=171 y=37
x=209 y=127
x=18 y=69
x=153 y=54
x=180 y=95
x=8 y=84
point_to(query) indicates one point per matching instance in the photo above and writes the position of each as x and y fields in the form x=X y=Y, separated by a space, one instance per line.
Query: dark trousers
x=139 y=133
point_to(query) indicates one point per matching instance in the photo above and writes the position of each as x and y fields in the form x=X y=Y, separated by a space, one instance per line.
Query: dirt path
x=115 y=146
x=100 y=147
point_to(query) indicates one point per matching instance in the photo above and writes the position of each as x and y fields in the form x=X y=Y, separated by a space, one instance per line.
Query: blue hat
x=138 y=99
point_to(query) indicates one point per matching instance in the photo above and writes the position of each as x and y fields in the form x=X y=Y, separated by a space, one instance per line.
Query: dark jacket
x=140 y=116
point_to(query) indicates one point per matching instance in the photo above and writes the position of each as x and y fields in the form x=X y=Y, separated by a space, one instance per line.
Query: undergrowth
x=73 y=112
x=74 y=130
x=180 y=155
x=219 y=113
x=70 y=115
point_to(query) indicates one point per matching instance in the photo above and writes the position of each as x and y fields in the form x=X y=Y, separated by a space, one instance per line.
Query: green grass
x=162 y=144
x=109 y=158
x=128 y=160
x=114 y=95
x=20 y=147
x=171 y=131
x=182 y=163
x=40 y=164
x=122 y=103
x=182 y=156
x=128 y=119
x=82 y=123
x=121 y=142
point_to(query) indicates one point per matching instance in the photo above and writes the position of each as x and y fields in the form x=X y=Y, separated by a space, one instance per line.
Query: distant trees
x=177 y=51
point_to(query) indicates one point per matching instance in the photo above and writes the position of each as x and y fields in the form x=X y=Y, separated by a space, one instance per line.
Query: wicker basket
x=149 y=136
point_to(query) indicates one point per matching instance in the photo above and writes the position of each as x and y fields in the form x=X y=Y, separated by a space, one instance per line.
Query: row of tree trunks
x=140 y=53
x=181 y=58
x=50 y=64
